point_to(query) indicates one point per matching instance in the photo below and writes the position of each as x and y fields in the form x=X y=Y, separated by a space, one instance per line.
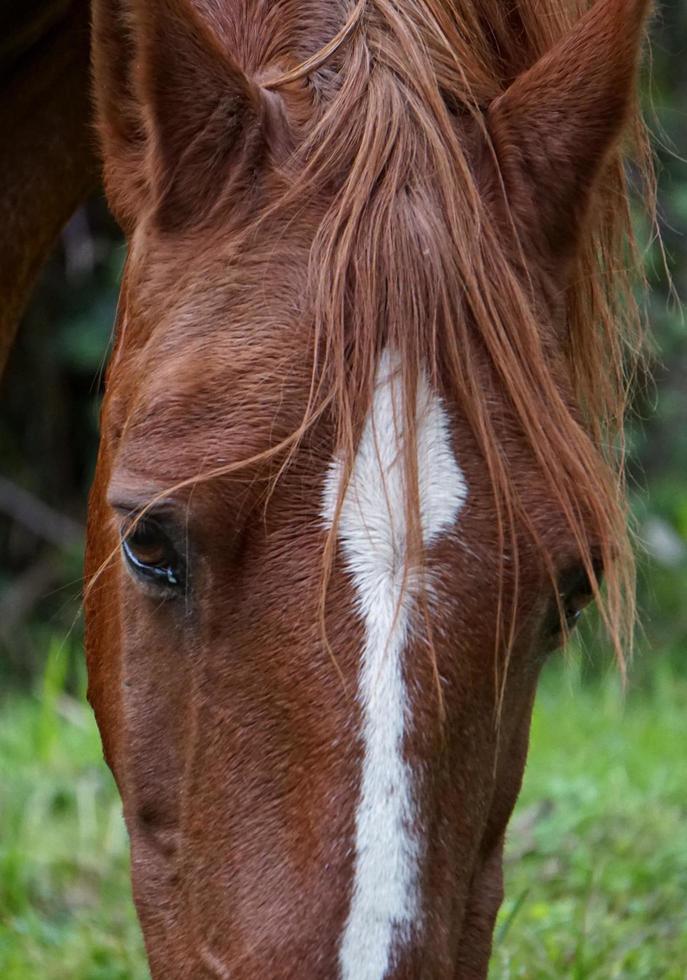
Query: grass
x=596 y=877
x=65 y=901
x=597 y=856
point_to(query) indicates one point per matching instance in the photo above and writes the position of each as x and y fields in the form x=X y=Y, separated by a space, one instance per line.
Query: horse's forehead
x=210 y=343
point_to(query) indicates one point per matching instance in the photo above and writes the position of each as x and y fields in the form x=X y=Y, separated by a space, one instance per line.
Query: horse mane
x=409 y=255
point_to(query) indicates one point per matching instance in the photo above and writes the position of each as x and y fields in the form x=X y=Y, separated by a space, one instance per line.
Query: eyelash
x=572 y=601
x=167 y=572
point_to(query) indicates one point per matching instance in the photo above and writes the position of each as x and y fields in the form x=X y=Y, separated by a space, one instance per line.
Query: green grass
x=65 y=901
x=597 y=856
x=596 y=876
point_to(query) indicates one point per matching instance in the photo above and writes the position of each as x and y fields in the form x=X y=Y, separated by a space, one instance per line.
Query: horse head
x=353 y=484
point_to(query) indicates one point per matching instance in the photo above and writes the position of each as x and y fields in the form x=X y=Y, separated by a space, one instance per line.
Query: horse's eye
x=575 y=600
x=575 y=592
x=151 y=555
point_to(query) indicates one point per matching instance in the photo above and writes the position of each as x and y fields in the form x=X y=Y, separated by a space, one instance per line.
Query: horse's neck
x=46 y=157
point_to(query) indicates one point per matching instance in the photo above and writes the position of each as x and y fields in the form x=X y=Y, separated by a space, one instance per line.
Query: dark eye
x=575 y=592
x=151 y=554
x=575 y=598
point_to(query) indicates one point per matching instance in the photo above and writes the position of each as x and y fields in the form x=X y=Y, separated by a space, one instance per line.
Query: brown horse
x=355 y=478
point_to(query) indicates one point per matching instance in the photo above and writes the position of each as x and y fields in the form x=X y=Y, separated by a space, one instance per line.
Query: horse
x=47 y=153
x=360 y=467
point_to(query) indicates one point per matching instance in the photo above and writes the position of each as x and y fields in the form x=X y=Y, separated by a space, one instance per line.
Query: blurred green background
x=597 y=859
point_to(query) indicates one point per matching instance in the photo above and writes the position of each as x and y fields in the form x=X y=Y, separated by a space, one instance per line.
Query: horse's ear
x=555 y=126
x=201 y=109
x=172 y=108
x=119 y=118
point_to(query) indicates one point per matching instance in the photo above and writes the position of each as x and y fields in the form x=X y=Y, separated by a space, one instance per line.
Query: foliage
x=65 y=899
x=48 y=437
x=597 y=861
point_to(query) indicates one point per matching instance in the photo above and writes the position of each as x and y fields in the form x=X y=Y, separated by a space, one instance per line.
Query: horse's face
x=317 y=763
x=282 y=796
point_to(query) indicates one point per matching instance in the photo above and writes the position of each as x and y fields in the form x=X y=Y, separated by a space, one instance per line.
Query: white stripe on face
x=372 y=530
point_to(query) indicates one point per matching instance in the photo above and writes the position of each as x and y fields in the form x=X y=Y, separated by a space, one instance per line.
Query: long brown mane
x=409 y=255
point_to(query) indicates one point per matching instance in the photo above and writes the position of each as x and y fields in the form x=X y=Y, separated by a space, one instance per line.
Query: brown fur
x=304 y=184
x=46 y=154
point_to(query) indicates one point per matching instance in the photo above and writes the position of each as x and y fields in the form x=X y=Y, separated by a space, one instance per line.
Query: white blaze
x=372 y=530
